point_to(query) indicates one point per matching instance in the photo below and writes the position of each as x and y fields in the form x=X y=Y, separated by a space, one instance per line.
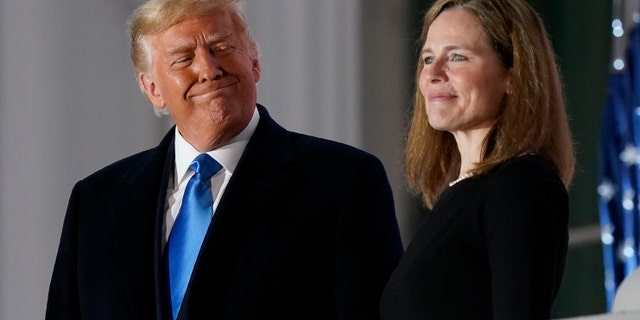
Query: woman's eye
x=428 y=60
x=457 y=57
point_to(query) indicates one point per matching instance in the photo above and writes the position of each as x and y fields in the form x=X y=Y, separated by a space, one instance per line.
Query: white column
x=310 y=64
x=69 y=105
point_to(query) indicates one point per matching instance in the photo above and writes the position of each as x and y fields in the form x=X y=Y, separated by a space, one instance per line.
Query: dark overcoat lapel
x=140 y=209
x=260 y=175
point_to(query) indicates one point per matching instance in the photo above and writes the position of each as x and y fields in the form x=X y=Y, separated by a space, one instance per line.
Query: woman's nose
x=434 y=71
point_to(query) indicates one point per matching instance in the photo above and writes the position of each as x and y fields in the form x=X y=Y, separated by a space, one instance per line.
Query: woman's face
x=462 y=80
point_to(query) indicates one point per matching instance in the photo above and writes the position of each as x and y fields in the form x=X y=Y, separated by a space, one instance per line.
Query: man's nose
x=207 y=65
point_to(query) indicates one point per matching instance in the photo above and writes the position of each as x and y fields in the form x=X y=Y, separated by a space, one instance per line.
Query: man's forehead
x=198 y=28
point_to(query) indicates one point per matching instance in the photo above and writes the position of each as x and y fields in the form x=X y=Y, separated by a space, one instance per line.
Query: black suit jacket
x=305 y=230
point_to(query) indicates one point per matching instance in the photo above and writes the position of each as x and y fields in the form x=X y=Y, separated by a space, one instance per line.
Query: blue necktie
x=190 y=228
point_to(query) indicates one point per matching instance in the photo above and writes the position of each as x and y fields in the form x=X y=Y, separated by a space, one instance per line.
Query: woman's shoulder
x=527 y=166
x=524 y=191
x=525 y=176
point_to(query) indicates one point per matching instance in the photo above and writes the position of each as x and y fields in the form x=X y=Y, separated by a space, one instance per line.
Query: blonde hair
x=158 y=15
x=533 y=119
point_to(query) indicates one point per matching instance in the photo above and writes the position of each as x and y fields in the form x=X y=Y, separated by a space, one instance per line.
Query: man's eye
x=183 y=60
x=222 y=49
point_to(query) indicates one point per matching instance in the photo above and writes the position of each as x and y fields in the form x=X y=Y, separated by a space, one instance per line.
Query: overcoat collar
x=139 y=210
x=263 y=170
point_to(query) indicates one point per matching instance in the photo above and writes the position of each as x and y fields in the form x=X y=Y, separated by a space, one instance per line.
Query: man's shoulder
x=308 y=144
x=305 y=144
x=124 y=167
x=313 y=153
x=152 y=159
x=333 y=158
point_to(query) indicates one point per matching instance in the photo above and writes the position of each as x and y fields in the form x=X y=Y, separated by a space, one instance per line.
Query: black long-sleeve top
x=493 y=247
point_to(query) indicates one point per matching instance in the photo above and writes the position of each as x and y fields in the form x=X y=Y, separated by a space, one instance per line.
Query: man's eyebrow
x=217 y=37
x=180 y=48
x=189 y=45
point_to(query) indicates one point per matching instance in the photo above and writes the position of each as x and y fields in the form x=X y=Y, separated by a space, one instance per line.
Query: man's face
x=204 y=70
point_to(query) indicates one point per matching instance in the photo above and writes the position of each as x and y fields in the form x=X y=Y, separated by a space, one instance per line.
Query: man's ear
x=256 y=70
x=151 y=90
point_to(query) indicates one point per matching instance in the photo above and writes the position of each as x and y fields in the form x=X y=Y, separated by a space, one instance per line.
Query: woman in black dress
x=490 y=152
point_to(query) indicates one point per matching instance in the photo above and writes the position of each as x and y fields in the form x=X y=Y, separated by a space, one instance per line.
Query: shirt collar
x=228 y=155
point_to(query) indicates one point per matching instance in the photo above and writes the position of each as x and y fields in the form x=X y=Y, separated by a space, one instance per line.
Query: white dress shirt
x=227 y=155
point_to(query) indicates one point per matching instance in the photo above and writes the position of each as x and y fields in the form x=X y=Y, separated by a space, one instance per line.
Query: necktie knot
x=205 y=166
